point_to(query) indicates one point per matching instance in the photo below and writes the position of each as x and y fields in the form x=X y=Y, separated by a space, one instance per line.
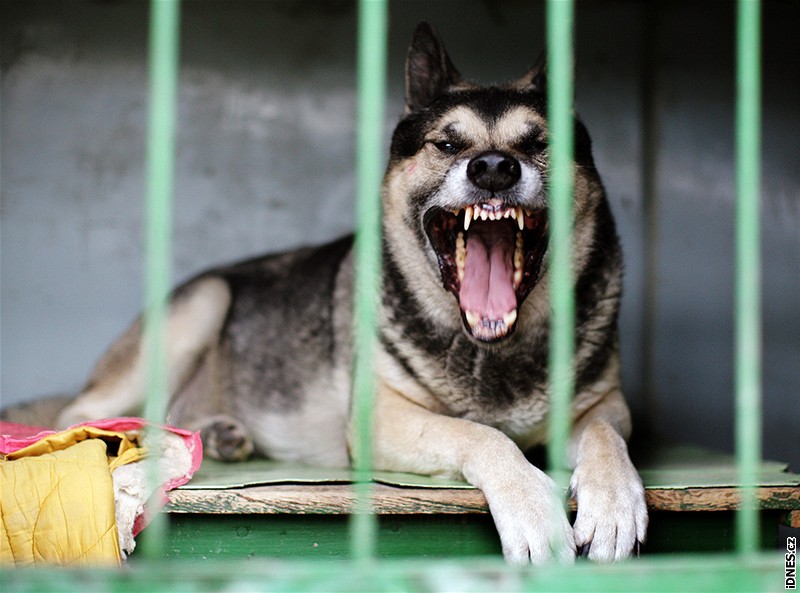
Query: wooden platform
x=268 y=509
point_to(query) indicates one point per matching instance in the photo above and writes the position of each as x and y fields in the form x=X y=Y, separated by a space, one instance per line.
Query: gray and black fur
x=260 y=352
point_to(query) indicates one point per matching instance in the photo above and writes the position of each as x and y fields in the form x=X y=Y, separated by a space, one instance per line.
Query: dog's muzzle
x=489 y=252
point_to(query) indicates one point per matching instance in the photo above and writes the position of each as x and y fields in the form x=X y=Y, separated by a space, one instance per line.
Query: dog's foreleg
x=612 y=513
x=117 y=384
x=526 y=507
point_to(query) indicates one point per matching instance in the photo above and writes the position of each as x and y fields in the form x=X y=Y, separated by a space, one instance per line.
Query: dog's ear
x=429 y=71
x=535 y=79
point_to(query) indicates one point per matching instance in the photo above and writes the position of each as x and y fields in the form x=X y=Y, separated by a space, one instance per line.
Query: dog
x=259 y=353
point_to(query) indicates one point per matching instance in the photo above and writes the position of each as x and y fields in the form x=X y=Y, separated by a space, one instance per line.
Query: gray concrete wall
x=265 y=151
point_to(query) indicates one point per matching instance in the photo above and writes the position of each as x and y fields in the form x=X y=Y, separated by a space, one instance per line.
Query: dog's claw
x=583 y=551
x=638 y=548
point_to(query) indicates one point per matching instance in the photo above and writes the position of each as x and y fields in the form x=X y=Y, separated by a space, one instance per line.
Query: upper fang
x=474 y=212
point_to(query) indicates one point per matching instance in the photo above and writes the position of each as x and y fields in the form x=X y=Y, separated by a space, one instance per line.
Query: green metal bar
x=163 y=65
x=653 y=574
x=560 y=20
x=372 y=41
x=748 y=275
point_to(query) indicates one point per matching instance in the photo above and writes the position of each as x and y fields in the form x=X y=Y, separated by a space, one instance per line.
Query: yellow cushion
x=58 y=507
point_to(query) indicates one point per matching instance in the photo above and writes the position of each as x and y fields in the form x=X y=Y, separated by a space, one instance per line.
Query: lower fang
x=510 y=317
x=517 y=278
x=461 y=255
x=518 y=261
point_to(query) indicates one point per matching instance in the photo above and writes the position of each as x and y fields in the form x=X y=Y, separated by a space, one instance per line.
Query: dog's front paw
x=530 y=519
x=612 y=514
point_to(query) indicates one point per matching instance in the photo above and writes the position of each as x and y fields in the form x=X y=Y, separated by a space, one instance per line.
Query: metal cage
x=746 y=570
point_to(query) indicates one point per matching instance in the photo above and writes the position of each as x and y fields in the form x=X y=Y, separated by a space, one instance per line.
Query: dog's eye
x=448 y=147
x=532 y=147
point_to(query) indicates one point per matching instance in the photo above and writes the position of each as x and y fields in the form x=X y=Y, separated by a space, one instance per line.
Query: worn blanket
x=77 y=497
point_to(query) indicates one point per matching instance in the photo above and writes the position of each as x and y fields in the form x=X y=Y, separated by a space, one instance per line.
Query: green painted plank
x=694 y=467
x=218 y=475
x=327 y=536
x=419 y=536
x=711 y=476
x=673 y=468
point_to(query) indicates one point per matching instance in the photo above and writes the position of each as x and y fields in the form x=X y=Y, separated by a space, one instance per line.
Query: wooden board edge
x=327 y=499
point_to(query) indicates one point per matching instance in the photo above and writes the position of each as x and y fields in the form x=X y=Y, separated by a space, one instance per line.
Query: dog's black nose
x=493 y=170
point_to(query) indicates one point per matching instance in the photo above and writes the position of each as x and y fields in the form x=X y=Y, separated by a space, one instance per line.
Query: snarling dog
x=260 y=356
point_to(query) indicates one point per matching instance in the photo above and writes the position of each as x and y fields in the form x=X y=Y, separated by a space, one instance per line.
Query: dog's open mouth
x=489 y=255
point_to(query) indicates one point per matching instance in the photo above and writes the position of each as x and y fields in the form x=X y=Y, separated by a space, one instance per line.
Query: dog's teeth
x=484 y=215
x=472 y=318
x=476 y=212
x=509 y=318
x=508 y=213
x=520 y=218
x=461 y=255
x=519 y=255
x=467 y=217
x=518 y=245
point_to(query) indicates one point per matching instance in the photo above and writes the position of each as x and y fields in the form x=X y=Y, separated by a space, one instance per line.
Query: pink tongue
x=487 y=287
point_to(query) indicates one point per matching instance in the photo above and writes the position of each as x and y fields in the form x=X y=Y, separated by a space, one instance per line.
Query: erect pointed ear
x=429 y=71
x=535 y=79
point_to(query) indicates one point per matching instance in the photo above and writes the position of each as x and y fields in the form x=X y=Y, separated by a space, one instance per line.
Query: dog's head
x=467 y=183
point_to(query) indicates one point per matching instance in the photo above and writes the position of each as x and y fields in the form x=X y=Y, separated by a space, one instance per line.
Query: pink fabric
x=17 y=436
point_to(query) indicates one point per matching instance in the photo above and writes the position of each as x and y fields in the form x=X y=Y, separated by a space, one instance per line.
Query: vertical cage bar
x=163 y=73
x=372 y=41
x=560 y=20
x=748 y=274
x=650 y=138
